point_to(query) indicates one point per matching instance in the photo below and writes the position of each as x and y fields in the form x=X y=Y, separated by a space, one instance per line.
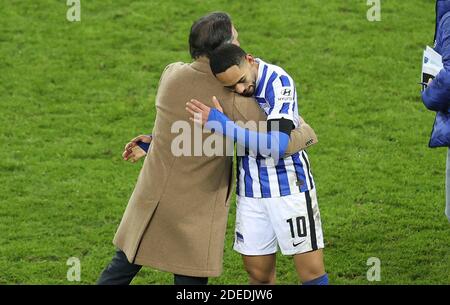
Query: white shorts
x=292 y=222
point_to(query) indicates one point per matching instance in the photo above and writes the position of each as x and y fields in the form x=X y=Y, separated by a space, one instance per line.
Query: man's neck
x=202 y=59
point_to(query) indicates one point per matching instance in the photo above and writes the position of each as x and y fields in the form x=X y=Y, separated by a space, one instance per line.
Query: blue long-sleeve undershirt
x=271 y=144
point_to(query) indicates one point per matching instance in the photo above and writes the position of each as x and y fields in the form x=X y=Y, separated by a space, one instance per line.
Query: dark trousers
x=121 y=272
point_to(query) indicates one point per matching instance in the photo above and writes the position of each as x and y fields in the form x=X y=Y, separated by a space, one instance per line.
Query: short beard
x=249 y=91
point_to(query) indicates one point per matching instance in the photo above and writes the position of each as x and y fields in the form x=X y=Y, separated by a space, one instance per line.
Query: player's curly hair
x=225 y=57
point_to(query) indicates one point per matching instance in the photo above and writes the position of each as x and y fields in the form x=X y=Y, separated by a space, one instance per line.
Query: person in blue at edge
x=436 y=96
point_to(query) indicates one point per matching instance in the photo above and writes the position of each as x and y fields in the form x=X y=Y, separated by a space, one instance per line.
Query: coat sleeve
x=301 y=138
x=437 y=95
x=246 y=109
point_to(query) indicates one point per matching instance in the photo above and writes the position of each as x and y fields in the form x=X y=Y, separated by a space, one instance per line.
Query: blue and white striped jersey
x=258 y=176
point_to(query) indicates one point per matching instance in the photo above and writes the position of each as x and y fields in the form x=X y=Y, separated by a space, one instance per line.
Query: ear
x=250 y=59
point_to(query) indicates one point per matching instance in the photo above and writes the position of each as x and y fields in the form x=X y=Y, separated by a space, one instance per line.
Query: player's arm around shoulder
x=246 y=109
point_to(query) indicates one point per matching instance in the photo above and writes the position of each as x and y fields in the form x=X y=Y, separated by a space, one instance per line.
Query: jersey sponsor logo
x=285 y=98
x=286 y=92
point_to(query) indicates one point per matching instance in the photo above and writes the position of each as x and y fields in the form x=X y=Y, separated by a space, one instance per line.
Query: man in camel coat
x=176 y=217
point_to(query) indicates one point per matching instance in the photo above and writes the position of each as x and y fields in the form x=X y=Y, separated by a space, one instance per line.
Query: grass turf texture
x=72 y=94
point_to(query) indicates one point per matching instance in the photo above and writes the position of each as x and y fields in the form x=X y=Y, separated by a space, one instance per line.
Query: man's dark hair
x=225 y=57
x=208 y=33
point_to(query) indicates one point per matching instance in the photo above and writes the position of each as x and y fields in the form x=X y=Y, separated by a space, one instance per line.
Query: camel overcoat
x=176 y=217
